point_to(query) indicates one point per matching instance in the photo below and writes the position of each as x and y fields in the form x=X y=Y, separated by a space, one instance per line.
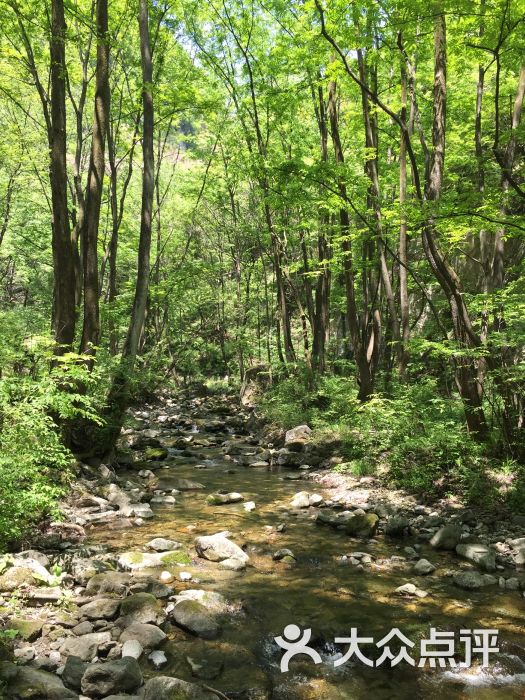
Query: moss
x=155 y=453
x=135 y=557
x=176 y=558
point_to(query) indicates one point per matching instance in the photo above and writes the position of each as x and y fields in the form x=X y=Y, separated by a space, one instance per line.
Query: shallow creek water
x=318 y=592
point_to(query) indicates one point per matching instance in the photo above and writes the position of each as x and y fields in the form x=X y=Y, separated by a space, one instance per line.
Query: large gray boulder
x=447 y=537
x=149 y=636
x=102 y=679
x=109 y=582
x=195 y=618
x=478 y=554
x=472 y=580
x=142 y=607
x=74 y=669
x=219 y=548
x=296 y=438
x=86 y=646
x=100 y=609
x=26 y=683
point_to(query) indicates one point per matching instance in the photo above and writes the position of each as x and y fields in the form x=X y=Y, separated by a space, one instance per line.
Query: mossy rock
x=176 y=558
x=154 y=454
x=29 y=630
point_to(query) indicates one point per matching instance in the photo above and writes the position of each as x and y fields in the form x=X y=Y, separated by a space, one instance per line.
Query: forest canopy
x=322 y=197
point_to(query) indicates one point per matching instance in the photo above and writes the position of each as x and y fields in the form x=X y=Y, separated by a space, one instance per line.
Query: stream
x=320 y=590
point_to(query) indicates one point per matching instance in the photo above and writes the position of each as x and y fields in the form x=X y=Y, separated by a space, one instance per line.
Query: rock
x=100 y=680
x=217 y=499
x=15 y=577
x=300 y=500
x=158 y=659
x=135 y=561
x=446 y=537
x=24 y=654
x=166 y=688
x=141 y=607
x=232 y=564
x=479 y=554
x=34 y=554
x=210 y=599
x=28 y=630
x=354 y=523
x=83 y=628
x=149 y=636
x=161 y=544
x=219 y=548
x=108 y=582
x=423 y=567
x=296 y=438
x=155 y=454
x=472 y=580
x=396 y=526
x=100 y=609
x=512 y=584
x=518 y=520
x=519 y=557
x=86 y=646
x=74 y=669
x=315 y=499
x=33 y=684
x=185 y=576
x=133 y=648
x=411 y=590
x=287 y=458
x=195 y=618
x=249 y=506
x=281 y=554
x=164 y=500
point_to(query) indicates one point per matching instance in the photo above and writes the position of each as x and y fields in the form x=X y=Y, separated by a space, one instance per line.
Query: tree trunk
x=89 y=235
x=63 y=257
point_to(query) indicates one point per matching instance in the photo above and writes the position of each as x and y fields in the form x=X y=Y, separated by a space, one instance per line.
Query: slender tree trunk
x=403 y=235
x=63 y=257
x=89 y=236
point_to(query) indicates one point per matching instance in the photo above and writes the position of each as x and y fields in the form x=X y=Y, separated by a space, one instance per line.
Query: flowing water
x=319 y=591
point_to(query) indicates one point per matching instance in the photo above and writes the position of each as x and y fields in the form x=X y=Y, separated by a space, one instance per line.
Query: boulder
x=149 y=636
x=108 y=582
x=86 y=646
x=33 y=684
x=297 y=437
x=396 y=526
x=15 y=577
x=354 y=523
x=74 y=669
x=100 y=609
x=141 y=607
x=28 y=630
x=300 y=500
x=472 y=580
x=423 y=567
x=166 y=688
x=218 y=499
x=158 y=659
x=478 y=554
x=100 y=680
x=218 y=548
x=195 y=618
x=447 y=537
x=161 y=544
x=133 y=648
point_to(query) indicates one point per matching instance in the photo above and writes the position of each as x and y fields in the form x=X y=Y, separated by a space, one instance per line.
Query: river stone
x=300 y=500
x=158 y=659
x=396 y=526
x=141 y=607
x=136 y=561
x=411 y=590
x=16 y=576
x=446 y=537
x=33 y=684
x=161 y=544
x=86 y=646
x=82 y=628
x=288 y=458
x=479 y=554
x=297 y=437
x=472 y=580
x=195 y=618
x=218 y=499
x=519 y=557
x=218 y=548
x=102 y=679
x=108 y=582
x=74 y=669
x=155 y=454
x=423 y=567
x=101 y=608
x=283 y=554
x=149 y=636
x=133 y=648
x=166 y=688
x=210 y=599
